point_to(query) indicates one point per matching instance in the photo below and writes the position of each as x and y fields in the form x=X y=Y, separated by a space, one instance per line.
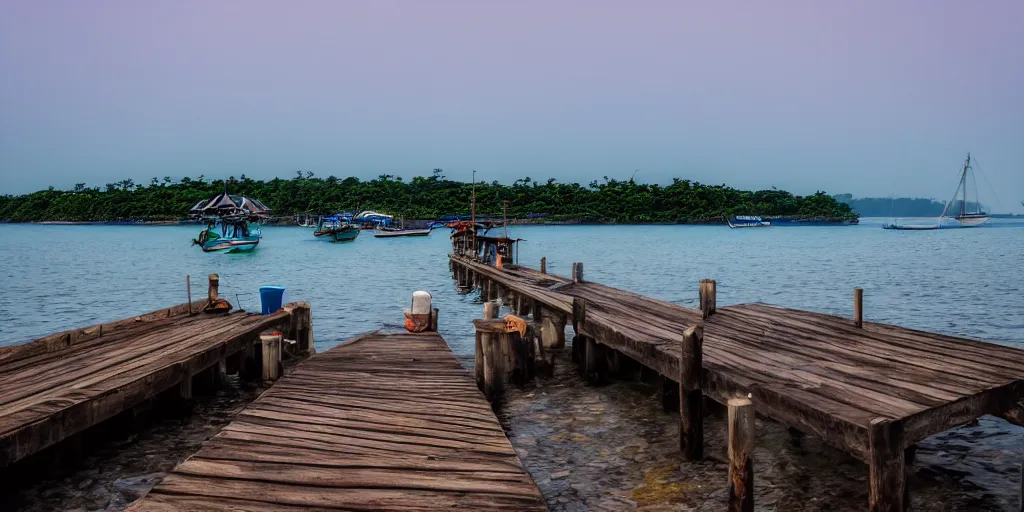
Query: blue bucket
x=271 y=298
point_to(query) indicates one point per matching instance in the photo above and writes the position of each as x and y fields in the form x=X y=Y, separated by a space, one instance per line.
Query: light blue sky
x=873 y=98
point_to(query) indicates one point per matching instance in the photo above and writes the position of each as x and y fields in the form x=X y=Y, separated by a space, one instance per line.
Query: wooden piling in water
x=741 y=455
x=691 y=401
x=492 y=358
x=708 y=297
x=886 y=477
x=858 y=307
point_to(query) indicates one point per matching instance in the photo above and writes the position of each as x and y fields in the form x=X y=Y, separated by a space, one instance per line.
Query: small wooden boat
x=336 y=228
x=747 y=221
x=393 y=233
x=234 y=237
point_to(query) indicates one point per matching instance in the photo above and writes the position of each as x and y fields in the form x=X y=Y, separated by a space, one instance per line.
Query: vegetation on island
x=899 y=207
x=433 y=196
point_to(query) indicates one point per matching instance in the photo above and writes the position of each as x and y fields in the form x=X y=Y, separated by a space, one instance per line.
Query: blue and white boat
x=230 y=223
x=336 y=228
x=747 y=221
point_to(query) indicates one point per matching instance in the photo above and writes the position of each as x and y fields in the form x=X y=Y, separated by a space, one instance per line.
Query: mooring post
x=708 y=297
x=741 y=455
x=691 y=399
x=271 y=345
x=544 y=265
x=577 y=272
x=214 y=290
x=886 y=477
x=188 y=290
x=858 y=307
x=433 y=319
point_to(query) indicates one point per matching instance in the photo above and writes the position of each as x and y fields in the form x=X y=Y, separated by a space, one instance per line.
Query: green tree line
x=432 y=196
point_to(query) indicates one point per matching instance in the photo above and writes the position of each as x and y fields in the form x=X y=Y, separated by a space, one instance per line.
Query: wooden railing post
x=691 y=396
x=741 y=455
x=858 y=307
x=544 y=265
x=188 y=290
x=708 y=297
x=577 y=272
x=886 y=478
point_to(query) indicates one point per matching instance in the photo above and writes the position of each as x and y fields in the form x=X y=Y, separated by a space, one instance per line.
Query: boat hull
x=400 y=233
x=231 y=245
x=338 y=235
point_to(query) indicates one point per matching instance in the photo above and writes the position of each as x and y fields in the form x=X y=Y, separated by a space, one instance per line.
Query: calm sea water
x=966 y=282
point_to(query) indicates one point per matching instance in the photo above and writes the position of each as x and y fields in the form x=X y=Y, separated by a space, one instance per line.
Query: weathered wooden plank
x=363 y=426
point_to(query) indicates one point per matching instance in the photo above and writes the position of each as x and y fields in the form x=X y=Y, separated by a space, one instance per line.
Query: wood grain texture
x=388 y=422
x=49 y=395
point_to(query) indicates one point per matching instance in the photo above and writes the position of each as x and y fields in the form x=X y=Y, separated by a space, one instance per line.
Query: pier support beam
x=493 y=358
x=593 y=361
x=552 y=328
x=886 y=477
x=271 y=357
x=691 y=397
x=741 y=455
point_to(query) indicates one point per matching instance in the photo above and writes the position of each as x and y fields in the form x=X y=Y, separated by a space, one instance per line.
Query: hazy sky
x=872 y=97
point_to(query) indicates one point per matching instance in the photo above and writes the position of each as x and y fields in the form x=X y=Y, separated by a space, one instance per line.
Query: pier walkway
x=381 y=422
x=872 y=390
x=57 y=386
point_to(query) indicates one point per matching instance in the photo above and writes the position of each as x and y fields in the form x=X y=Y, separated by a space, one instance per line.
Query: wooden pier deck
x=382 y=422
x=871 y=390
x=57 y=386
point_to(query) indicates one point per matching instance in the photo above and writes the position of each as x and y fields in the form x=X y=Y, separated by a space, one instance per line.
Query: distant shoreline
x=416 y=223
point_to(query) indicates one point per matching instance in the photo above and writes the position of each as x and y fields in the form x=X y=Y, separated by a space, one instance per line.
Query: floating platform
x=381 y=422
x=60 y=385
x=871 y=390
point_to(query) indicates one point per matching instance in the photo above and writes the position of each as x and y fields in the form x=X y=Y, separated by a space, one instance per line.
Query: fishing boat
x=964 y=218
x=336 y=228
x=747 y=221
x=394 y=232
x=229 y=223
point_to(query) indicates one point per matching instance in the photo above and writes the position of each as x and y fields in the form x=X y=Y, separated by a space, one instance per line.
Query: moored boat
x=747 y=221
x=229 y=222
x=393 y=233
x=336 y=228
x=965 y=218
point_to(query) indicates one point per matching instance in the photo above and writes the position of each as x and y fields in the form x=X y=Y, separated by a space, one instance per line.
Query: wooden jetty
x=872 y=390
x=57 y=386
x=381 y=422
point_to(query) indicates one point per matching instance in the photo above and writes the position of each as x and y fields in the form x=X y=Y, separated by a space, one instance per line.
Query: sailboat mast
x=963 y=185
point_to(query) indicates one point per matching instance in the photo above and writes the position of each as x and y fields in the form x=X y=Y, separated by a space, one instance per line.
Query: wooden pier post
x=741 y=455
x=577 y=272
x=858 y=307
x=300 y=326
x=185 y=386
x=708 y=297
x=434 y=319
x=478 y=362
x=886 y=477
x=544 y=265
x=188 y=290
x=214 y=289
x=691 y=397
x=592 y=358
x=271 y=357
x=552 y=328
x=493 y=358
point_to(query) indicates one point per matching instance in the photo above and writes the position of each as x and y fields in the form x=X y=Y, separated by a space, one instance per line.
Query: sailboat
x=964 y=218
